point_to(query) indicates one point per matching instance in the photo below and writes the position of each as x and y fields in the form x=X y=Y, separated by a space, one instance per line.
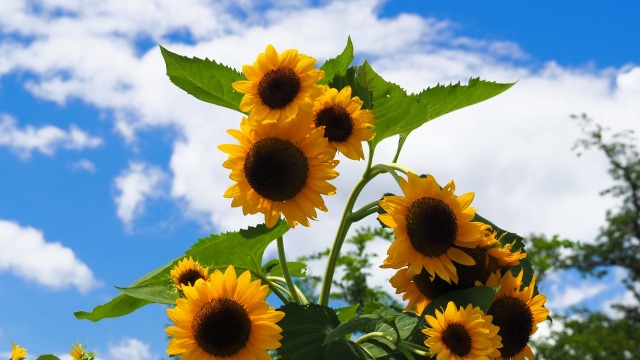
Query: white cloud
x=84 y=165
x=130 y=349
x=47 y=139
x=28 y=255
x=136 y=184
x=566 y=290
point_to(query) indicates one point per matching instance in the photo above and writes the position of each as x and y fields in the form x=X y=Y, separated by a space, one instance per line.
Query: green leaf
x=47 y=357
x=404 y=323
x=347 y=313
x=118 y=306
x=304 y=329
x=161 y=294
x=338 y=65
x=357 y=324
x=296 y=268
x=443 y=99
x=244 y=249
x=205 y=79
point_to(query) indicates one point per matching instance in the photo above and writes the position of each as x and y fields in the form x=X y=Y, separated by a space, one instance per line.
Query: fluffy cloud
x=130 y=348
x=136 y=184
x=28 y=255
x=46 y=139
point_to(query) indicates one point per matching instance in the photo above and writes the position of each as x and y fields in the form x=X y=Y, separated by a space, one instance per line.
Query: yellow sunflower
x=419 y=289
x=504 y=256
x=187 y=271
x=78 y=353
x=346 y=124
x=17 y=352
x=277 y=86
x=429 y=223
x=280 y=168
x=517 y=312
x=462 y=334
x=226 y=317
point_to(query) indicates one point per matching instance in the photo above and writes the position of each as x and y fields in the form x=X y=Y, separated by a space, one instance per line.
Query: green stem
x=374 y=334
x=415 y=348
x=401 y=141
x=343 y=228
x=284 y=281
x=370 y=208
x=273 y=286
x=285 y=271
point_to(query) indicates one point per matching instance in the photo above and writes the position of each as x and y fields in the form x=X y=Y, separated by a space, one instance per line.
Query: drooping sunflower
x=226 y=317
x=517 y=312
x=280 y=168
x=17 y=352
x=187 y=272
x=502 y=255
x=462 y=334
x=277 y=86
x=346 y=124
x=429 y=224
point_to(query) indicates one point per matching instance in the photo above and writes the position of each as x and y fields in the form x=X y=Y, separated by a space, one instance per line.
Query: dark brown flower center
x=221 y=327
x=338 y=122
x=432 y=289
x=468 y=275
x=515 y=320
x=190 y=277
x=431 y=225
x=276 y=169
x=278 y=87
x=457 y=339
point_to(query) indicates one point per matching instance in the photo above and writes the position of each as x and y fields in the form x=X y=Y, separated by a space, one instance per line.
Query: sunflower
x=346 y=124
x=78 y=353
x=501 y=256
x=278 y=85
x=187 y=272
x=429 y=223
x=517 y=312
x=226 y=317
x=280 y=168
x=462 y=334
x=17 y=352
x=419 y=289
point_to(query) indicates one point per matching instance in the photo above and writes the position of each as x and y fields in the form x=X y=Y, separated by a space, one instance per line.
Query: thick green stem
x=363 y=212
x=285 y=271
x=300 y=294
x=374 y=334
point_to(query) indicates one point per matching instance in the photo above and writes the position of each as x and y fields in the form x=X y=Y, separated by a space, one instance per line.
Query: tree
x=595 y=335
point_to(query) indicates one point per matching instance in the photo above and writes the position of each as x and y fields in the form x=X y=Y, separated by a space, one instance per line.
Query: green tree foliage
x=595 y=335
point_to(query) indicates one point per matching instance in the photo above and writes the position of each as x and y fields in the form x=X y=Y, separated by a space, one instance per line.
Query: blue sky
x=109 y=171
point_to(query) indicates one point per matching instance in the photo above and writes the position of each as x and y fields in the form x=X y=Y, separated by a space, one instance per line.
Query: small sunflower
x=419 y=289
x=503 y=256
x=280 y=168
x=78 y=353
x=346 y=124
x=17 y=352
x=429 y=223
x=517 y=312
x=226 y=317
x=462 y=334
x=277 y=86
x=187 y=272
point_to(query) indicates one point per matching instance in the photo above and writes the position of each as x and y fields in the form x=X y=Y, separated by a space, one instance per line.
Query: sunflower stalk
x=274 y=287
x=286 y=273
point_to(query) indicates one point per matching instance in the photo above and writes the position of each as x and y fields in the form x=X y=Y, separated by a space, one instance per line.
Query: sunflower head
x=430 y=225
x=17 y=352
x=517 y=312
x=225 y=317
x=280 y=168
x=420 y=289
x=346 y=125
x=461 y=333
x=500 y=255
x=187 y=272
x=78 y=353
x=279 y=85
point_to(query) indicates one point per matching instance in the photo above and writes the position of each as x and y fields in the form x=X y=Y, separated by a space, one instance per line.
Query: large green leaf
x=244 y=249
x=338 y=65
x=443 y=99
x=205 y=79
x=304 y=329
x=47 y=357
